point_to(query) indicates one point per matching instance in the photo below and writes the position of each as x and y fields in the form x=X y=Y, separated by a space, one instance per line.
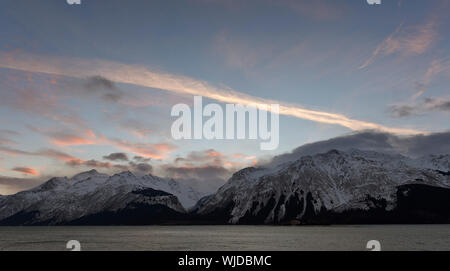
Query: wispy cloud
x=72 y=137
x=385 y=46
x=68 y=136
x=412 y=106
x=89 y=163
x=48 y=153
x=138 y=75
x=408 y=41
x=8 y=132
x=38 y=98
x=26 y=170
x=106 y=88
x=425 y=106
x=5 y=135
x=436 y=67
x=136 y=128
x=139 y=164
x=141 y=159
x=117 y=156
x=240 y=54
x=140 y=167
x=147 y=150
x=143 y=168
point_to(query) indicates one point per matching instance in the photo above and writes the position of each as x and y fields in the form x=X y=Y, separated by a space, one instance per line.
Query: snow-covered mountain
x=65 y=200
x=334 y=187
x=327 y=184
x=437 y=162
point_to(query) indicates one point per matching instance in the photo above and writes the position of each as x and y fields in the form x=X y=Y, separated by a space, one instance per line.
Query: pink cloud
x=238 y=155
x=5 y=137
x=73 y=140
x=67 y=136
x=26 y=170
x=214 y=153
x=48 y=153
x=407 y=41
x=39 y=98
x=141 y=76
x=147 y=150
x=88 y=137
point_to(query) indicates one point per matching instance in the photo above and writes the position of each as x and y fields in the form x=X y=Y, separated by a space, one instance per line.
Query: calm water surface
x=229 y=238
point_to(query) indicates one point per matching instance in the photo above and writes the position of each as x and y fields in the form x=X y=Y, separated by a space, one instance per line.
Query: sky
x=92 y=85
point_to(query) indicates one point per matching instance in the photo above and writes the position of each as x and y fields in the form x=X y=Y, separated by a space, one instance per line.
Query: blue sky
x=387 y=65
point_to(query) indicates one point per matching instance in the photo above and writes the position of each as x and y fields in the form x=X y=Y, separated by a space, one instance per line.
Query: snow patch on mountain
x=63 y=199
x=335 y=180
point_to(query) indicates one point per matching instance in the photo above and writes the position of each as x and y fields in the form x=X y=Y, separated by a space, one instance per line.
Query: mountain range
x=95 y=198
x=335 y=187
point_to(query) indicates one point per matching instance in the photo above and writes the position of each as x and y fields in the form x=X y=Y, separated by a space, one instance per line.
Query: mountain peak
x=126 y=173
x=87 y=174
x=334 y=181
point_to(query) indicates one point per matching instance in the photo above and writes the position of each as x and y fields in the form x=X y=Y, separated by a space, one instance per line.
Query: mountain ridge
x=62 y=200
x=335 y=180
x=351 y=186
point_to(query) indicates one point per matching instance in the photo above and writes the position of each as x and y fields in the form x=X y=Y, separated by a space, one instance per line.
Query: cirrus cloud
x=141 y=76
x=26 y=171
x=413 y=40
x=425 y=106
